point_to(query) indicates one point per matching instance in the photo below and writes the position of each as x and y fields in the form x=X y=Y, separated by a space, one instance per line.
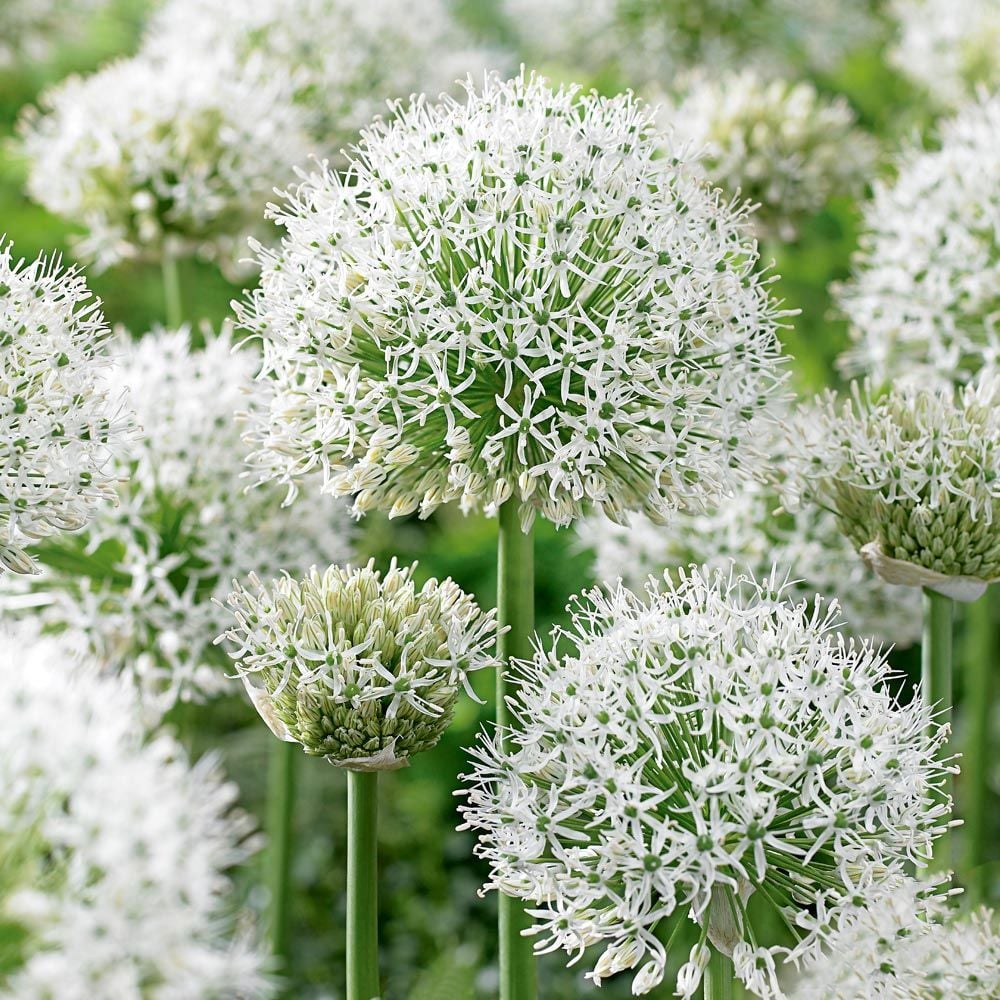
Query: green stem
x=362 y=885
x=280 y=802
x=980 y=656
x=935 y=658
x=719 y=977
x=516 y=609
x=173 y=309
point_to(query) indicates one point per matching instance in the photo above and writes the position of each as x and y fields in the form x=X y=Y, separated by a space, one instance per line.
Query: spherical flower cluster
x=30 y=29
x=59 y=425
x=948 y=48
x=701 y=744
x=513 y=297
x=913 y=478
x=115 y=848
x=359 y=668
x=346 y=59
x=907 y=946
x=168 y=155
x=753 y=532
x=139 y=584
x=924 y=298
x=779 y=144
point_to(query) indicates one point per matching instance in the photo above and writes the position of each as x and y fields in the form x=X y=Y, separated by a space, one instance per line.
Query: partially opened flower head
x=696 y=745
x=913 y=477
x=923 y=301
x=358 y=667
x=513 y=297
x=906 y=945
x=59 y=426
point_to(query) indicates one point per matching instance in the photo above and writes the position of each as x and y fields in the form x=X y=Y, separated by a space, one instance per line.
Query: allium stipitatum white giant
x=59 y=425
x=907 y=946
x=777 y=143
x=687 y=748
x=753 y=532
x=948 y=48
x=516 y=297
x=924 y=298
x=360 y=668
x=115 y=848
x=913 y=477
x=139 y=583
x=171 y=155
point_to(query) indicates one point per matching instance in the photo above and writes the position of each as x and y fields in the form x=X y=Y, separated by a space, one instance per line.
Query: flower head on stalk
x=701 y=743
x=949 y=49
x=116 y=849
x=913 y=478
x=779 y=144
x=924 y=297
x=173 y=155
x=141 y=583
x=60 y=427
x=906 y=945
x=359 y=668
x=513 y=297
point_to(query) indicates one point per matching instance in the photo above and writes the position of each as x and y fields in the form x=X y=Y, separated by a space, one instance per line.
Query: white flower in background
x=359 y=668
x=752 y=532
x=115 y=848
x=513 y=296
x=172 y=155
x=906 y=946
x=924 y=298
x=346 y=58
x=777 y=143
x=687 y=749
x=31 y=29
x=139 y=584
x=948 y=47
x=638 y=42
x=60 y=427
x=913 y=477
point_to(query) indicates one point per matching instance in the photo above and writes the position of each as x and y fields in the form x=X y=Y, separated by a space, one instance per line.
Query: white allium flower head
x=60 y=427
x=139 y=584
x=701 y=743
x=913 y=478
x=905 y=945
x=116 y=848
x=776 y=142
x=360 y=668
x=949 y=49
x=924 y=297
x=513 y=297
x=346 y=58
x=31 y=29
x=752 y=531
x=171 y=155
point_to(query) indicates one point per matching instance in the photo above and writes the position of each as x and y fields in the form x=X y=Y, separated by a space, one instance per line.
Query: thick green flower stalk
x=363 y=670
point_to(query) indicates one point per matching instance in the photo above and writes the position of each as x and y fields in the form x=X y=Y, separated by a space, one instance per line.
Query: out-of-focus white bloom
x=924 y=298
x=30 y=29
x=701 y=743
x=115 y=847
x=59 y=425
x=777 y=143
x=514 y=297
x=906 y=946
x=140 y=583
x=169 y=155
x=639 y=42
x=948 y=48
x=346 y=58
x=360 y=669
x=913 y=478
x=752 y=532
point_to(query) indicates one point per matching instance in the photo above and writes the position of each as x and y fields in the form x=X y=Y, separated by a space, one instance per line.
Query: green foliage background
x=437 y=932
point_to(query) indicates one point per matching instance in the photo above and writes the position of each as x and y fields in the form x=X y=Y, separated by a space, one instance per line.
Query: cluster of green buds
x=359 y=668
